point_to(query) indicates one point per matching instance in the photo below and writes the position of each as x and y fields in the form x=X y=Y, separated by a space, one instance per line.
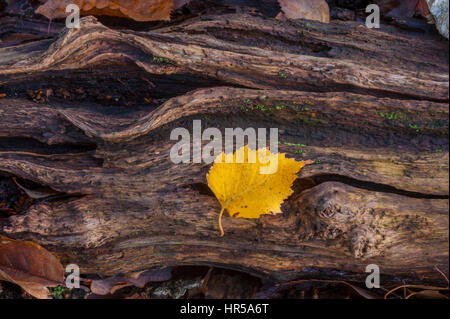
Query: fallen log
x=369 y=107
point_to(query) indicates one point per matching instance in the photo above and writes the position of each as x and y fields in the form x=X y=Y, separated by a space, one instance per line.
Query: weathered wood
x=369 y=106
x=306 y=55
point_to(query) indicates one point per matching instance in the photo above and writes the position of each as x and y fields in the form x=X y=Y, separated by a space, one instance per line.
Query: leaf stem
x=220 y=221
x=231 y=199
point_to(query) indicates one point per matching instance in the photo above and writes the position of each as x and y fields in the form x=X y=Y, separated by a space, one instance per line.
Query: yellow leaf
x=243 y=189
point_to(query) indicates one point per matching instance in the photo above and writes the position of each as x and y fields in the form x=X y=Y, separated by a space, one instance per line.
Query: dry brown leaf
x=421 y=287
x=306 y=9
x=179 y=3
x=138 y=10
x=140 y=279
x=54 y=9
x=404 y=8
x=30 y=266
x=268 y=292
x=423 y=10
x=427 y=294
x=144 y=10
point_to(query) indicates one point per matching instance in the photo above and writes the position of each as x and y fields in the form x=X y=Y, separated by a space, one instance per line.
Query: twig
x=442 y=273
x=414 y=287
x=206 y=279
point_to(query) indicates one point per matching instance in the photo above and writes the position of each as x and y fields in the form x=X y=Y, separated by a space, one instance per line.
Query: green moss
x=308 y=119
x=58 y=292
x=262 y=107
x=302 y=151
x=300 y=147
x=395 y=116
x=249 y=106
x=415 y=127
x=294 y=144
x=161 y=60
x=302 y=108
x=282 y=74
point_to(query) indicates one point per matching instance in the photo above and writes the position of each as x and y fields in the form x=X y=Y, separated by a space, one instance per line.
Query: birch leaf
x=243 y=191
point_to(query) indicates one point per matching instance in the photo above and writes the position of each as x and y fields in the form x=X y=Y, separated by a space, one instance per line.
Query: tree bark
x=370 y=107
